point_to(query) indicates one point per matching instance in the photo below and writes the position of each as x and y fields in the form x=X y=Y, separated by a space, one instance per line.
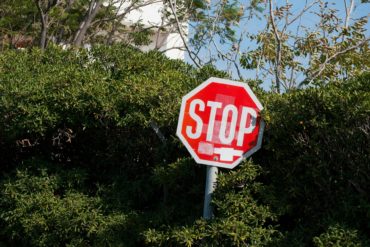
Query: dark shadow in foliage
x=316 y=159
x=82 y=163
x=240 y=220
x=44 y=205
x=93 y=111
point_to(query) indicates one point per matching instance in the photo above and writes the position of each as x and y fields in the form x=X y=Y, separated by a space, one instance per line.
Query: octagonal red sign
x=220 y=123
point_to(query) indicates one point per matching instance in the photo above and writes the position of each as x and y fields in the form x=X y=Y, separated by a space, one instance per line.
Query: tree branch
x=304 y=10
x=44 y=24
x=348 y=12
x=182 y=35
x=86 y=23
x=278 y=47
x=331 y=58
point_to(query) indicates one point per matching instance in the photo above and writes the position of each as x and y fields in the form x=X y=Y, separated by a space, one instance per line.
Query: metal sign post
x=211 y=180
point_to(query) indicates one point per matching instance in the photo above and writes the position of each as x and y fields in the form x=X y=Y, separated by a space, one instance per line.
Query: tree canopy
x=28 y=23
x=286 y=44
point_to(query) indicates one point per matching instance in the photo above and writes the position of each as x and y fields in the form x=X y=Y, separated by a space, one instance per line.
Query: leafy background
x=82 y=166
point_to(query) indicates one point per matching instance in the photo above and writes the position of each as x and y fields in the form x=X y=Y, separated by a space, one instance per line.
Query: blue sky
x=309 y=20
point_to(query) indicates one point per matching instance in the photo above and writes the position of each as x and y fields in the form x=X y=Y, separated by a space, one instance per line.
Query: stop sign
x=220 y=123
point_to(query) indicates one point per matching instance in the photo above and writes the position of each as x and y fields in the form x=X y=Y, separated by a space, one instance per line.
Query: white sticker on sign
x=227 y=154
x=205 y=148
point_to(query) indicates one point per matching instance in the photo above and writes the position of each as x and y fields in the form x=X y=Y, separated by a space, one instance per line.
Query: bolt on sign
x=220 y=123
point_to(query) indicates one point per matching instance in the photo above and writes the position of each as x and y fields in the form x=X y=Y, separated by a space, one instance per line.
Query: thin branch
x=180 y=48
x=348 y=12
x=114 y=25
x=157 y=43
x=304 y=10
x=278 y=47
x=237 y=52
x=236 y=65
x=290 y=82
x=331 y=58
x=213 y=26
x=260 y=56
x=182 y=35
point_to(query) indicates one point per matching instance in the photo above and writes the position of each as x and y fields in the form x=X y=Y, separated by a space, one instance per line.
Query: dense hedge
x=96 y=112
x=89 y=157
x=317 y=161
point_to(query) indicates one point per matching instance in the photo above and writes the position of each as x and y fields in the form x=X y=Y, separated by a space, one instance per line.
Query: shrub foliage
x=89 y=157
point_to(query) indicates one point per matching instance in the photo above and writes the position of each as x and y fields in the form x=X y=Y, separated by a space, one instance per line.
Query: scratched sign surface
x=220 y=123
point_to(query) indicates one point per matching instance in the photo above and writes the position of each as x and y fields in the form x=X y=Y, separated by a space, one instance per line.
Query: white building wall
x=175 y=46
x=151 y=15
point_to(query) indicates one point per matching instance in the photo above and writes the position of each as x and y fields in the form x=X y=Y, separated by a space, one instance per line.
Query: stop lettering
x=219 y=122
x=228 y=121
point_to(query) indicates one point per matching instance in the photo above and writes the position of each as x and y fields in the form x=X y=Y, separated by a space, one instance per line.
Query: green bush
x=239 y=219
x=42 y=209
x=337 y=236
x=316 y=158
x=89 y=157
x=315 y=171
x=98 y=112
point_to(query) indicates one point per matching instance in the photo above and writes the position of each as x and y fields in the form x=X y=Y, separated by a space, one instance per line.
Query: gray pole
x=211 y=179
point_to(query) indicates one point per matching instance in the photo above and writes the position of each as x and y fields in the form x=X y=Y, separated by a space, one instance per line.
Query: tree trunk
x=62 y=24
x=86 y=23
x=44 y=24
x=44 y=30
